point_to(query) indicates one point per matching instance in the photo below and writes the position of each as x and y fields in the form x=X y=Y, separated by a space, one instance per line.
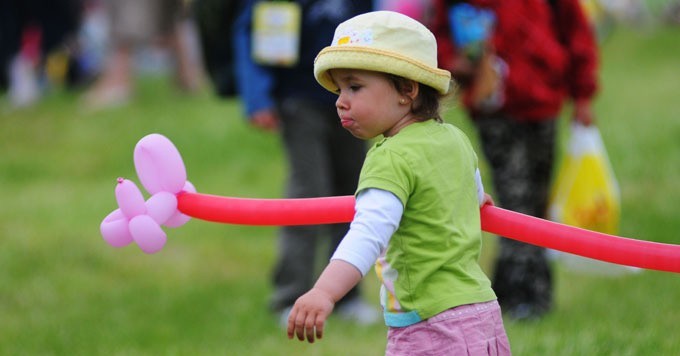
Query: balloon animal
x=174 y=200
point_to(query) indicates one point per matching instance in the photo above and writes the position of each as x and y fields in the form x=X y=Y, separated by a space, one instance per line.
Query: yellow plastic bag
x=586 y=193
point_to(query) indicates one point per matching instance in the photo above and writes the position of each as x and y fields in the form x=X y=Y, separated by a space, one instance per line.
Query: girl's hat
x=383 y=41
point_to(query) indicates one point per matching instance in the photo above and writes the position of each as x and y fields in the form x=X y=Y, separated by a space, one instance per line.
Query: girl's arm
x=377 y=216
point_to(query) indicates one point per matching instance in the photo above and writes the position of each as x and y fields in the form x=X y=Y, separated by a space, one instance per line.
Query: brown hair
x=429 y=102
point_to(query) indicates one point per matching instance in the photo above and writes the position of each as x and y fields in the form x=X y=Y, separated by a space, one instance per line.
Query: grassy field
x=64 y=291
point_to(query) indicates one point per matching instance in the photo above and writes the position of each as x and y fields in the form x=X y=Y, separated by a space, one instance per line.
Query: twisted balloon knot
x=161 y=171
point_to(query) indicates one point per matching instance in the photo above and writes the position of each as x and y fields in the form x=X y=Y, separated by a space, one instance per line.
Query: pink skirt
x=473 y=329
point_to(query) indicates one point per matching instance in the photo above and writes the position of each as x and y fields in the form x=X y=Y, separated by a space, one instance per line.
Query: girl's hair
x=428 y=104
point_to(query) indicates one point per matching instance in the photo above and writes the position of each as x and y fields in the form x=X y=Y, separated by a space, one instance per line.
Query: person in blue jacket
x=281 y=95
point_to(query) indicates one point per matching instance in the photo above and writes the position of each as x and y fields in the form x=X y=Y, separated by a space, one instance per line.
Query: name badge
x=276 y=33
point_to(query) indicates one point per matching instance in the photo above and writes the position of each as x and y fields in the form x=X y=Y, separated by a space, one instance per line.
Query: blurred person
x=29 y=31
x=518 y=61
x=134 y=24
x=215 y=22
x=274 y=63
x=418 y=201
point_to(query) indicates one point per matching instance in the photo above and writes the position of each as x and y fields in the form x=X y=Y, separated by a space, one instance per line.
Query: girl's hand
x=487 y=200
x=309 y=314
x=583 y=112
x=265 y=120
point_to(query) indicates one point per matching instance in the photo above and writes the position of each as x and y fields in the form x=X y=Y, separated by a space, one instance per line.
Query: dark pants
x=325 y=160
x=521 y=156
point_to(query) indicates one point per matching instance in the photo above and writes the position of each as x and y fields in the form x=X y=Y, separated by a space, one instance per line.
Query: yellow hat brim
x=356 y=57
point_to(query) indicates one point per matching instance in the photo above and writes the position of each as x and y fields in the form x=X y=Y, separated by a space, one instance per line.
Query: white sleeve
x=480 y=187
x=377 y=216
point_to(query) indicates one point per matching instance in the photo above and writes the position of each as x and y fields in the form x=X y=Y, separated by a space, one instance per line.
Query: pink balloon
x=161 y=170
x=130 y=198
x=277 y=212
x=179 y=219
x=159 y=165
x=147 y=234
x=161 y=206
x=114 y=229
x=596 y=245
x=329 y=210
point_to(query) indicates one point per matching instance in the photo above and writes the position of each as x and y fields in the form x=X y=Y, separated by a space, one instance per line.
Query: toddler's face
x=368 y=103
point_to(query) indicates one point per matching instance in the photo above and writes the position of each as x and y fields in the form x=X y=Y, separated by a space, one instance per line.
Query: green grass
x=64 y=291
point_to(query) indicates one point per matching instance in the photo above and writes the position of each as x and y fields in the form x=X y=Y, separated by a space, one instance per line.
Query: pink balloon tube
x=535 y=231
x=161 y=171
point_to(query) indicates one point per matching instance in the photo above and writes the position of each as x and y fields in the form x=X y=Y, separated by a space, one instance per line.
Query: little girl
x=418 y=199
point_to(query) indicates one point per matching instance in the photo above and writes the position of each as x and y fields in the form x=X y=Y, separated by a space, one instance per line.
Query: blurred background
x=73 y=104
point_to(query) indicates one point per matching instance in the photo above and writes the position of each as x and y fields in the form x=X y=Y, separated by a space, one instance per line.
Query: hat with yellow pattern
x=383 y=41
